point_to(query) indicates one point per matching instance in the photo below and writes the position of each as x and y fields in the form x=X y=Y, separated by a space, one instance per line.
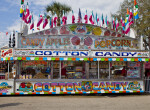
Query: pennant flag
x=73 y=18
x=21 y=11
x=121 y=19
x=123 y=25
x=64 y=18
x=127 y=17
x=22 y=2
x=51 y=22
x=79 y=16
x=55 y=19
x=27 y=11
x=32 y=24
x=131 y=18
x=127 y=27
x=91 y=18
x=29 y=21
x=45 y=21
x=136 y=16
x=23 y=14
x=106 y=22
x=113 y=23
x=86 y=18
x=97 y=19
x=102 y=22
x=39 y=21
x=117 y=24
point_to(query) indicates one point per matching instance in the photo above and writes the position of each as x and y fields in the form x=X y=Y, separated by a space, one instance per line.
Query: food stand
x=76 y=59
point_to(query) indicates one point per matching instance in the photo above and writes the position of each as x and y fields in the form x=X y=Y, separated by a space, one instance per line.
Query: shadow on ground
x=9 y=104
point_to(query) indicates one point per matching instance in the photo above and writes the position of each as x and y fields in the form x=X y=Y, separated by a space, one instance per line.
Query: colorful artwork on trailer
x=84 y=86
x=76 y=29
x=26 y=87
x=4 y=87
x=81 y=42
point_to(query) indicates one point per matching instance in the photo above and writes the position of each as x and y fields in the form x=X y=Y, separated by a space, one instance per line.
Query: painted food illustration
x=73 y=27
x=81 y=29
x=64 y=30
x=107 y=33
x=54 y=31
x=88 y=41
x=26 y=87
x=75 y=40
x=89 y=29
x=47 y=32
x=113 y=34
x=97 y=31
x=4 y=87
x=119 y=35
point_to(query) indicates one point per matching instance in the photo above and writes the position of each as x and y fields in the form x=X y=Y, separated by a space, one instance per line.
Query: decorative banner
x=79 y=87
x=81 y=42
x=6 y=87
x=52 y=53
x=6 y=53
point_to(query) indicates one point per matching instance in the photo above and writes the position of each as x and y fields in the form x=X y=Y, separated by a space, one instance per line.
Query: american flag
x=79 y=17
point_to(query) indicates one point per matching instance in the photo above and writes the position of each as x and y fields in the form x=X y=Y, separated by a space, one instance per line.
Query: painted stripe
x=77 y=59
x=110 y=59
x=113 y=91
x=4 y=93
x=44 y=58
x=127 y=91
x=61 y=59
x=94 y=59
x=21 y=93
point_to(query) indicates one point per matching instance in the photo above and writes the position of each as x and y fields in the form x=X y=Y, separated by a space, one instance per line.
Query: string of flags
x=125 y=24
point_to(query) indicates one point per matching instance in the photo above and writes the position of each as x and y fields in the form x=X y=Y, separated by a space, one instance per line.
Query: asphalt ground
x=76 y=102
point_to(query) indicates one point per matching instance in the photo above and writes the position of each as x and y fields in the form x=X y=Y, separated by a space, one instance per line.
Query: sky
x=10 y=12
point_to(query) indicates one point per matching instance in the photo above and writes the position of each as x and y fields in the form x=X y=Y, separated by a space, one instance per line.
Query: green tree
x=58 y=8
x=141 y=25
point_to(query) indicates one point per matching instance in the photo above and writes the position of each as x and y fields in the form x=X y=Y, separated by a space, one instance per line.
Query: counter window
x=73 y=70
x=35 y=70
x=118 y=70
x=103 y=70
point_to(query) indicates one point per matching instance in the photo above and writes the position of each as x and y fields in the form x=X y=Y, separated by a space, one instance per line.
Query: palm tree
x=58 y=8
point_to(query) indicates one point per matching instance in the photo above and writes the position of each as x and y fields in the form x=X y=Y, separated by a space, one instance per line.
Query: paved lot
x=128 y=102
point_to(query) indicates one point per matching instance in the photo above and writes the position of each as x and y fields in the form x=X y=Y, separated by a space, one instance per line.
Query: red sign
x=6 y=53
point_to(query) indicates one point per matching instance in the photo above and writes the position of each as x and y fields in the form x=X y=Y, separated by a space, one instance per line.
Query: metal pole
x=8 y=69
x=109 y=70
x=98 y=70
x=60 y=70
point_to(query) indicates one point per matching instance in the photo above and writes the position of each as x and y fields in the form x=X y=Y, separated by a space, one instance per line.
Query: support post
x=8 y=69
x=109 y=70
x=98 y=70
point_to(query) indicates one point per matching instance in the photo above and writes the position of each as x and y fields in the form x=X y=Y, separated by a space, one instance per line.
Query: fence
x=147 y=84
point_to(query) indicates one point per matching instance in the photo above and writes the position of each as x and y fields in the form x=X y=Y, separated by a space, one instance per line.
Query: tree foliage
x=58 y=8
x=141 y=25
